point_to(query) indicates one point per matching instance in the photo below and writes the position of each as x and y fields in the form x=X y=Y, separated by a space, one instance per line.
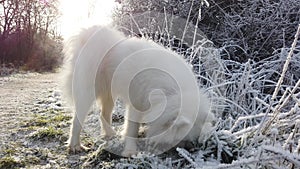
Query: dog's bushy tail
x=72 y=48
x=71 y=51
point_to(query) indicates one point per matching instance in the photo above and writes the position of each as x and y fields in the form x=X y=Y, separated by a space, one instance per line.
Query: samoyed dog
x=156 y=85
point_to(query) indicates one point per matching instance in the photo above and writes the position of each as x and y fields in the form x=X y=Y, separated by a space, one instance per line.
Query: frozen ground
x=33 y=124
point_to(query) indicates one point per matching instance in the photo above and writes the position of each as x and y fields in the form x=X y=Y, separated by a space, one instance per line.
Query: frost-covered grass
x=259 y=125
x=260 y=121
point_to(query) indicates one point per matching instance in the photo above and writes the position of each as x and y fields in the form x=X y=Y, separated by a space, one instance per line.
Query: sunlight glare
x=81 y=13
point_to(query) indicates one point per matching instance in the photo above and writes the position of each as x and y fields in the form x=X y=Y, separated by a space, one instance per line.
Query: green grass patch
x=10 y=162
x=42 y=120
x=47 y=132
x=9 y=151
x=32 y=160
x=60 y=118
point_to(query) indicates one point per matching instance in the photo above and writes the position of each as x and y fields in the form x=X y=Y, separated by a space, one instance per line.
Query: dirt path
x=18 y=96
x=35 y=124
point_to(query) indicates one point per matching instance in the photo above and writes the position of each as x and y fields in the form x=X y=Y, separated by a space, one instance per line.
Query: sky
x=81 y=13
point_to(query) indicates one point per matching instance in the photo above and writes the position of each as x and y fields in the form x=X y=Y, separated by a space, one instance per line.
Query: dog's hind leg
x=82 y=107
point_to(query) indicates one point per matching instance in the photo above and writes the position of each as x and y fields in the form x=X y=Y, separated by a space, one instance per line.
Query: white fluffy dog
x=102 y=64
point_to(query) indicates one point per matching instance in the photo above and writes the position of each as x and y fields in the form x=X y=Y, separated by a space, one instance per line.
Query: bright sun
x=78 y=13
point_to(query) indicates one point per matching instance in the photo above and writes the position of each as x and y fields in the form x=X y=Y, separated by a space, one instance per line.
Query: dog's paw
x=129 y=153
x=73 y=149
x=108 y=133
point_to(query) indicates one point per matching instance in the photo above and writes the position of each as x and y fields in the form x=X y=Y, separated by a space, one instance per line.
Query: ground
x=34 y=123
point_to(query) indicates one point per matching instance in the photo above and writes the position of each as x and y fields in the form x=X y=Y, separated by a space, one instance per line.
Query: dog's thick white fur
x=81 y=84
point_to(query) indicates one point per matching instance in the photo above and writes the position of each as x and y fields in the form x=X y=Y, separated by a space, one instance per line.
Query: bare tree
x=25 y=28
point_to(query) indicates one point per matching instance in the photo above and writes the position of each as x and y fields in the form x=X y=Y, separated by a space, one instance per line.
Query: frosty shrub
x=251 y=29
x=244 y=29
x=46 y=56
